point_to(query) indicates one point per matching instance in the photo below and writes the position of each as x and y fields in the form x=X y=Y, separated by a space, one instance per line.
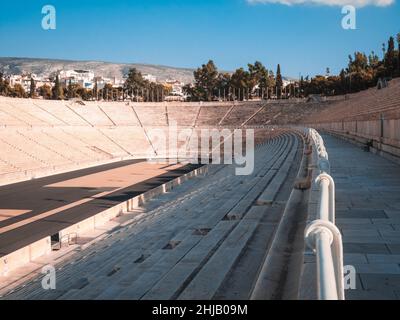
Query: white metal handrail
x=322 y=235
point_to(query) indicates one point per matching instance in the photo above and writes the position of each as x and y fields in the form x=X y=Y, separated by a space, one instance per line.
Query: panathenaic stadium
x=88 y=190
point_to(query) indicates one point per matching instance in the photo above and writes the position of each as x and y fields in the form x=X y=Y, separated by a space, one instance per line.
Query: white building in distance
x=81 y=77
x=25 y=81
x=177 y=87
x=149 y=77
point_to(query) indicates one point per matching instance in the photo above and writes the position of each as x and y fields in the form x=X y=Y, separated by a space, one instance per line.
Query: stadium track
x=36 y=197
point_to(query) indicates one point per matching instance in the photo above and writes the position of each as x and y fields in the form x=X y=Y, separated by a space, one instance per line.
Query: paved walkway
x=368 y=214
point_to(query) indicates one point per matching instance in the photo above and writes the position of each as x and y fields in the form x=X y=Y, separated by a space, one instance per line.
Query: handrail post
x=327 y=289
x=324 y=238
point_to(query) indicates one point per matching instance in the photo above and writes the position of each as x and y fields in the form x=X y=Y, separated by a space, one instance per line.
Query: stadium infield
x=35 y=209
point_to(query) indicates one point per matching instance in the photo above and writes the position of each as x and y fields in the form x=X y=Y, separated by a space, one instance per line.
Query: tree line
x=257 y=81
x=362 y=72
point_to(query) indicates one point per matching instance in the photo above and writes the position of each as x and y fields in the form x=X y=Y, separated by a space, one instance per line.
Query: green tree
x=58 y=92
x=95 y=90
x=383 y=50
x=107 y=92
x=2 y=84
x=134 y=81
x=45 y=91
x=32 y=89
x=267 y=81
x=191 y=92
x=241 y=84
x=83 y=93
x=206 y=79
x=390 y=58
x=301 y=85
x=223 y=84
x=257 y=74
x=155 y=92
x=373 y=60
x=279 y=81
x=5 y=88
x=398 y=54
x=18 y=91
x=70 y=90
x=75 y=90
x=343 y=81
x=359 y=63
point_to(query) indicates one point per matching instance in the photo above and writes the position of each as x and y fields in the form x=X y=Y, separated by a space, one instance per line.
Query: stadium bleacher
x=172 y=251
x=154 y=116
x=365 y=105
x=212 y=116
x=175 y=250
x=121 y=113
x=54 y=133
x=95 y=140
x=239 y=114
x=91 y=113
x=184 y=115
x=59 y=110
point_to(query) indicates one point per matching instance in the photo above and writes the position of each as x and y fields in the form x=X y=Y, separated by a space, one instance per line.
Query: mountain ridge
x=45 y=66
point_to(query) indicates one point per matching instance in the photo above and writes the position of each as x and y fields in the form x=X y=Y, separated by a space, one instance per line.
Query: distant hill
x=44 y=67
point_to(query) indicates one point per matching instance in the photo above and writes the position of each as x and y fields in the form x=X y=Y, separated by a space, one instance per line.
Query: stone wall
x=380 y=136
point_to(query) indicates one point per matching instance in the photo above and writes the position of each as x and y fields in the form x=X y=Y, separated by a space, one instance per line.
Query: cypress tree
x=32 y=89
x=343 y=80
x=398 y=54
x=57 y=90
x=279 y=82
x=2 y=84
x=70 y=94
x=95 y=91
x=390 y=60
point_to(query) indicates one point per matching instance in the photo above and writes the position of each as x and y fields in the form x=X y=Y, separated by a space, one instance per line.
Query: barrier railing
x=322 y=235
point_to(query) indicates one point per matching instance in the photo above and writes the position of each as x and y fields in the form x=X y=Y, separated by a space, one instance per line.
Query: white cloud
x=355 y=3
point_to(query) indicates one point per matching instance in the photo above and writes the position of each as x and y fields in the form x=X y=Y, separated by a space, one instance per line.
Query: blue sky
x=303 y=38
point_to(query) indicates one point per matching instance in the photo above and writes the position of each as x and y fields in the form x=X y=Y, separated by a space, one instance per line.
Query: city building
x=176 y=87
x=149 y=77
x=81 y=77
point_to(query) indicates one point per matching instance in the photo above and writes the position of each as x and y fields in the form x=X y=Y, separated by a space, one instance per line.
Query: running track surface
x=32 y=210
